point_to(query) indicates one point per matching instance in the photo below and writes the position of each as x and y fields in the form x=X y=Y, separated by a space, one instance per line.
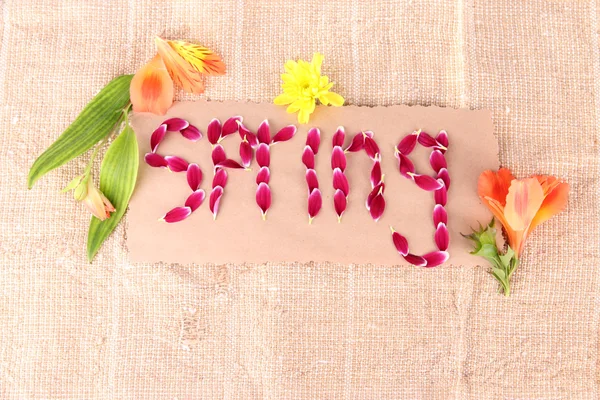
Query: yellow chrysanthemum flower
x=303 y=85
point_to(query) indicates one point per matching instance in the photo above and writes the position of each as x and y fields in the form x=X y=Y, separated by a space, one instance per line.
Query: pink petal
x=436 y=258
x=308 y=157
x=176 y=164
x=369 y=134
x=339 y=202
x=405 y=165
x=284 y=134
x=191 y=133
x=230 y=126
x=377 y=190
x=155 y=160
x=311 y=180
x=247 y=135
x=371 y=147
x=377 y=207
x=214 y=200
x=313 y=139
x=229 y=163
x=426 y=140
x=213 y=132
x=442 y=237
x=220 y=178
x=218 y=154
x=263 y=176
x=315 y=202
x=442 y=138
x=358 y=142
x=427 y=183
x=407 y=145
x=338 y=159
x=194 y=176
x=437 y=160
x=195 y=200
x=177 y=214
x=417 y=261
x=441 y=196
x=157 y=136
x=263 y=156
x=439 y=215
x=400 y=242
x=339 y=136
x=246 y=153
x=264 y=132
x=340 y=181
x=376 y=173
x=263 y=198
x=444 y=176
x=176 y=124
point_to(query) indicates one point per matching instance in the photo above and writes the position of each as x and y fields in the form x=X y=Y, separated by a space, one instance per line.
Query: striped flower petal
x=194 y=176
x=263 y=198
x=230 y=126
x=338 y=159
x=195 y=200
x=426 y=140
x=308 y=157
x=245 y=134
x=442 y=237
x=157 y=136
x=284 y=134
x=177 y=214
x=218 y=154
x=441 y=196
x=376 y=173
x=213 y=132
x=176 y=164
x=426 y=182
x=246 y=153
x=357 y=144
x=313 y=139
x=264 y=132
x=155 y=160
x=407 y=144
x=315 y=202
x=339 y=136
x=176 y=124
x=214 y=200
x=405 y=165
x=220 y=178
x=339 y=202
x=263 y=176
x=377 y=206
x=417 y=261
x=311 y=180
x=400 y=242
x=191 y=133
x=340 y=182
x=263 y=156
x=371 y=147
x=229 y=163
x=444 y=176
x=435 y=258
x=440 y=216
x=437 y=160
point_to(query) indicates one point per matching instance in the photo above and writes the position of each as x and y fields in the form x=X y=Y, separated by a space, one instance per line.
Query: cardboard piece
x=239 y=235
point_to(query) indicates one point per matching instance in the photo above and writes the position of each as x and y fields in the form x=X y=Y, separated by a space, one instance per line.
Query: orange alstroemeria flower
x=521 y=204
x=151 y=88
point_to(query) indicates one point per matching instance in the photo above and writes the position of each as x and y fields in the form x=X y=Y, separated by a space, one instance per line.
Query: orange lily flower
x=151 y=88
x=521 y=204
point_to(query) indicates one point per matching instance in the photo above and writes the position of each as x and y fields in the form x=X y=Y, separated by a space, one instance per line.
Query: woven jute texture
x=115 y=330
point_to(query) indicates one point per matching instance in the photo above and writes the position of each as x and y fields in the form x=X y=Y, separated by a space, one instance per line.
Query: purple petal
x=177 y=214
x=228 y=163
x=338 y=159
x=191 y=133
x=263 y=155
x=157 y=136
x=371 y=148
x=377 y=207
x=376 y=174
x=218 y=154
x=263 y=198
x=340 y=202
x=176 y=164
x=417 y=261
x=264 y=132
x=407 y=145
x=405 y=165
x=437 y=160
x=376 y=191
x=339 y=136
x=220 y=178
x=155 y=160
x=176 y=124
x=214 y=200
x=308 y=157
x=315 y=202
x=245 y=134
x=263 y=176
x=444 y=176
x=213 y=132
x=313 y=139
x=195 y=200
x=442 y=237
x=400 y=242
x=427 y=183
x=230 y=126
x=441 y=196
x=442 y=138
x=439 y=215
x=285 y=134
x=311 y=180
x=436 y=258
x=358 y=142
x=340 y=181
x=194 y=176
x=246 y=153
x=426 y=140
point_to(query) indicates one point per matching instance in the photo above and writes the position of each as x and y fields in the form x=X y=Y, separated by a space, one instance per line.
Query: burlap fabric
x=113 y=330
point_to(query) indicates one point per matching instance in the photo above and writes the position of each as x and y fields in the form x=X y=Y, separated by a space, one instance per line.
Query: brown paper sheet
x=239 y=235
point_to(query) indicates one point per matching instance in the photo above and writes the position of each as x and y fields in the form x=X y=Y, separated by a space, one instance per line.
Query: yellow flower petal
x=332 y=98
x=284 y=99
x=316 y=62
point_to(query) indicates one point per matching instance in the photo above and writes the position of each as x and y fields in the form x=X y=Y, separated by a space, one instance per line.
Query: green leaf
x=507 y=257
x=96 y=121
x=118 y=174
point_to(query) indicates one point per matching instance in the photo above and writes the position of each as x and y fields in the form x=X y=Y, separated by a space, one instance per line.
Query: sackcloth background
x=113 y=330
